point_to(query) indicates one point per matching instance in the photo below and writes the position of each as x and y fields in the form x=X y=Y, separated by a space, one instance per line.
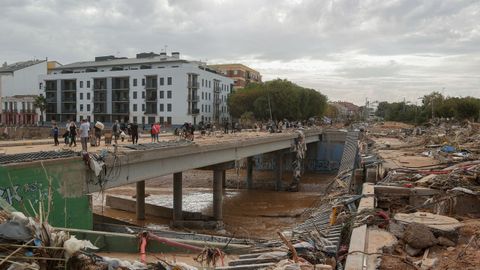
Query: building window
x=169 y=120
x=88 y=96
x=135 y=119
x=143 y=81
x=202 y=95
x=209 y=84
x=88 y=84
x=169 y=107
x=134 y=82
x=81 y=84
x=143 y=120
x=161 y=107
x=162 y=120
x=134 y=94
x=203 y=82
x=169 y=81
x=81 y=107
x=202 y=107
x=143 y=94
x=143 y=107
x=169 y=94
x=88 y=107
x=162 y=81
x=134 y=107
x=40 y=86
x=209 y=96
x=81 y=96
x=161 y=94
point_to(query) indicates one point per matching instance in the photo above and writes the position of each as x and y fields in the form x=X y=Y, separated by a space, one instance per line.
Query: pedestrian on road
x=73 y=134
x=98 y=135
x=134 y=132
x=55 y=134
x=84 y=131
x=157 y=131
x=152 y=132
x=116 y=131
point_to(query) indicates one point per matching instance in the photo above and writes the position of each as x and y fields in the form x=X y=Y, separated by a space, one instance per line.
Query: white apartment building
x=18 y=88
x=146 y=89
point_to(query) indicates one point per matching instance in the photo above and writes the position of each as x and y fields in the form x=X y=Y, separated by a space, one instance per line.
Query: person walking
x=73 y=134
x=157 y=131
x=116 y=131
x=55 y=134
x=134 y=132
x=152 y=132
x=84 y=131
x=98 y=135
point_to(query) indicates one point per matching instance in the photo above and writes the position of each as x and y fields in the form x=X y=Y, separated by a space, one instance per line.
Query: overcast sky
x=349 y=50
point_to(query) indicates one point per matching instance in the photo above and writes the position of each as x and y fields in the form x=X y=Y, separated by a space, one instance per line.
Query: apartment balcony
x=120 y=89
x=193 y=84
x=120 y=99
x=69 y=110
x=69 y=90
x=51 y=90
x=99 y=110
x=193 y=98
x=69 y=100
x=99 y=99
x=151 y=87
x=216 y=90
x=99 y=89
x=51 y=100
x=151 y=98
x=150 y=111
x=193 y=111
x=120 y=111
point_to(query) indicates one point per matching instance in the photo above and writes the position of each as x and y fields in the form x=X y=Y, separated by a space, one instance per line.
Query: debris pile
x=427 y=207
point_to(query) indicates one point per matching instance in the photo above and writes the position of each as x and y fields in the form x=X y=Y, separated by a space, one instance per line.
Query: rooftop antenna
x=165 y=48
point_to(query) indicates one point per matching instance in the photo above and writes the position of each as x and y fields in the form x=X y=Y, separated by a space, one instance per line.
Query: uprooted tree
x=279 y=99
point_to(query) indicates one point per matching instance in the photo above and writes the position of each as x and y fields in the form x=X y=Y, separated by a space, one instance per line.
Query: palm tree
x=41 y=104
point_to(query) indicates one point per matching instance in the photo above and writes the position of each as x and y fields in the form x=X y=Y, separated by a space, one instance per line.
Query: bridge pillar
x=140 y=205
x=218 y=194
x=249 y=172
x=224 y=179
x=177 y=197
x=278 y=170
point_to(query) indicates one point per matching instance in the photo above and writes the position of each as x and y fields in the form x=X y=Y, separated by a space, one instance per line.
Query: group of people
x=71 y=132
x=122 y=130
x=186 y=131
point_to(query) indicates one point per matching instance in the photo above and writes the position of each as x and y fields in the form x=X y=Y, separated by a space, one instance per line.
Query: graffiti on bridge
x=17 y=193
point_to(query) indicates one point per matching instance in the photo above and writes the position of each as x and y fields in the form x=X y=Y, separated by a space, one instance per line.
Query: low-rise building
x=18 y=88
x=146 y=89
x=241 y=74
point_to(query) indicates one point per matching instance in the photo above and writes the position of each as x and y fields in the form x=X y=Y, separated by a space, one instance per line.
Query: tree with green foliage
x=278 y=99
x=433 y=105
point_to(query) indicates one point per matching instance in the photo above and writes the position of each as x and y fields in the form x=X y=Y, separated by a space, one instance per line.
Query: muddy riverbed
x=247 y=213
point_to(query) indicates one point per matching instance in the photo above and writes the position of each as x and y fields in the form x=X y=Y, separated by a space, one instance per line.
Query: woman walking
x=73 y=134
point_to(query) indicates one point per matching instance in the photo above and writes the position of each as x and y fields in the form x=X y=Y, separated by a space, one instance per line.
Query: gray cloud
x=348 y=49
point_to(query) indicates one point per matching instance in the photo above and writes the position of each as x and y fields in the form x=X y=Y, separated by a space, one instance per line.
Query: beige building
x=241 y=74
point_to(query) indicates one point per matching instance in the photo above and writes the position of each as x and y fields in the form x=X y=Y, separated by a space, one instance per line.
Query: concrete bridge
x=23 y=182
x=137 y=166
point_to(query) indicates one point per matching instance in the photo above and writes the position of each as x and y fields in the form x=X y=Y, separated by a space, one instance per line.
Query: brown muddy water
x=255 y=214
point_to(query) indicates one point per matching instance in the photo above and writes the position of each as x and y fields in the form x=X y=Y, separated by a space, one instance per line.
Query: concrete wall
x=26 y=185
